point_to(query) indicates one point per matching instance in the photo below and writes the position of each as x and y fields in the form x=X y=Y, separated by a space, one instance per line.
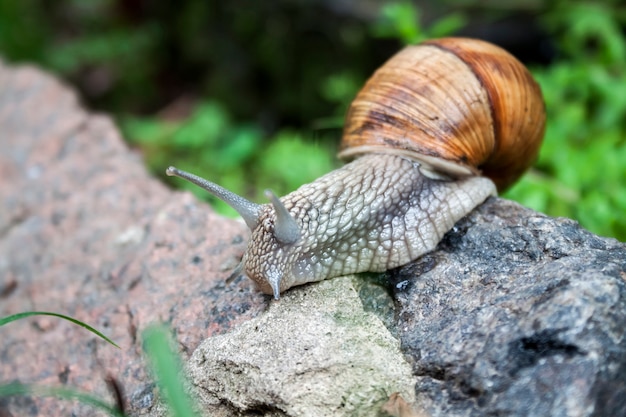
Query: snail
x=439 y=128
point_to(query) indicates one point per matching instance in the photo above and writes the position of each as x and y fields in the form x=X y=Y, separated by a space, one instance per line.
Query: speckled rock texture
x=86 y=232
x=514 y=314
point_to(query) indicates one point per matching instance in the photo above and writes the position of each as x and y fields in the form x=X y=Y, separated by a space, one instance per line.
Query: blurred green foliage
x=252 y=95
x=234 y=155
x=581 y=171
x=402 y=21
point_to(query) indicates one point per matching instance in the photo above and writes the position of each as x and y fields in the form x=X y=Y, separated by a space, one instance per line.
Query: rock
x=316 y=352
x=514 y=314
x=397 y=406
x=86 y=232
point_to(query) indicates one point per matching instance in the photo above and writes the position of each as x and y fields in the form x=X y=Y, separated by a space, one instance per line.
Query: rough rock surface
x=316 y=352
x=85 y=231
x=514 y=314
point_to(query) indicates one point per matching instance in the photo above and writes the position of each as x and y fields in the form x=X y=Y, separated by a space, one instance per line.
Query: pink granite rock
x=86 y=232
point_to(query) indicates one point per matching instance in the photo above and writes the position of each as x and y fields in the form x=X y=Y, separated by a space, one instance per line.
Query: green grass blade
x=9 y=319
x=17 y=388
x=167 y=370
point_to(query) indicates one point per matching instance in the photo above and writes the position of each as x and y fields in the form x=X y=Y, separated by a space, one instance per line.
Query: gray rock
x=516 y=314
x=316 y=353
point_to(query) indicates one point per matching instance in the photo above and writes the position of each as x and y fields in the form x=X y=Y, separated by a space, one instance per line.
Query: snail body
x=433 y=133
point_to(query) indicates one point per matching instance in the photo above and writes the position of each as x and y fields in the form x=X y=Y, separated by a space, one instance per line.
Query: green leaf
x=401 y=21
x=18 y=316
x=238 y=146
x=205 y=126
x=290 y=161
x=17 y=388
x=167 y=370
x=340 y=87
x=447 y=25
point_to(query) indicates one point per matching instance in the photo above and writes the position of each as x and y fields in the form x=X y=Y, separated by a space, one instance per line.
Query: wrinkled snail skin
x=373 y=214
x=435 y=131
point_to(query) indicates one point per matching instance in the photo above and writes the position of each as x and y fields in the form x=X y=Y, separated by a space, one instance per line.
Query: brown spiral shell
x=464 y=106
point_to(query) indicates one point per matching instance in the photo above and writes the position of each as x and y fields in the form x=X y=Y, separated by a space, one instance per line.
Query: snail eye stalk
x=249 y=211
x=286 y=229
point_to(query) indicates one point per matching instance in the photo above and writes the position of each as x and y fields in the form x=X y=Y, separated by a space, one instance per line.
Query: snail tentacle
x=286 y=229
x=248 y=210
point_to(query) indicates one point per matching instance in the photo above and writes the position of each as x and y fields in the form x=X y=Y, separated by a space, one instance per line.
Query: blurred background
x=252 y=94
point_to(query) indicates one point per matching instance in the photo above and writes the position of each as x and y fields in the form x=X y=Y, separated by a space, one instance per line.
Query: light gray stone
x=316 y=352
